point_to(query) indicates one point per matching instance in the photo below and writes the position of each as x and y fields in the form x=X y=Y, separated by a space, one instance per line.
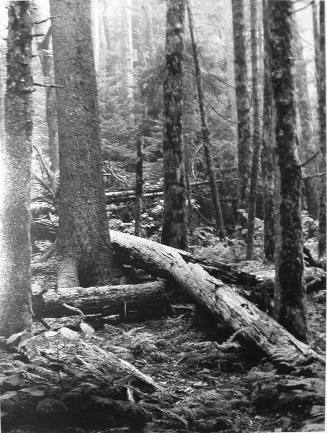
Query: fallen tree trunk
x=242 y=317
x=127 y=301
x=229 y=273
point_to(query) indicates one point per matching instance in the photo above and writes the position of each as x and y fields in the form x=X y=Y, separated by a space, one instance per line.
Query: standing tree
x=256 y=140
x=15 y=300
x=205 y=130
x=83 y=236
x=291 y=312
x=51 y=113
x=322 y=128
x=242 y=101
x=268 y=143
x=139 y=183
x=127 y=68
x=307 y=146
x=174 y=229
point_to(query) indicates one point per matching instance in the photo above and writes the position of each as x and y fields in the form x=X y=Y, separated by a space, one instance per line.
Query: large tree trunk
x=256 y=140
x=220 y=300
x=83 y=236
x=15 y=300
x=292 y=313
x=243 y=102
x=220 y=226
x=124 y=300
x=174 y=229
x=268 y=144
x=322 y=130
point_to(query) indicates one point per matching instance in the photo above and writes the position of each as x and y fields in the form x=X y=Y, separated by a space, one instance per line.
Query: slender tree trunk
x=322 y=130
x=205 y=131
x=109 y=38
x=174 y=229
x=139 y=184
x=315 y=25
x=268 y=144
x=243 y=102
x=290 y=264
x=187 y=164
x=94 y=8
x=307 y=147
x=230 y=68
x=127 y=58
x=83 y=238
x=15 y=300
x=256 y=139
x=46 y=60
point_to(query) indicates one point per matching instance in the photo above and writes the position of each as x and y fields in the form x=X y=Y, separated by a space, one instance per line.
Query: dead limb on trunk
x=251 y=325
x=124 y=300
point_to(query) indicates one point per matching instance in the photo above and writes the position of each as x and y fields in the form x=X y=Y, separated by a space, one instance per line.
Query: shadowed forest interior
x=162 y=216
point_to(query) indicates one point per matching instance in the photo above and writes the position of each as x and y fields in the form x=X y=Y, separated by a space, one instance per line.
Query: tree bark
x=256 y=139
x=221 y=301
x=174 y=229
x=139 y=184
x=125 y=300
x=15 y=300
x=322 y=130
x=243 y=102
x=220 y=226
x=292 y=312
x=268 y=144
x=83 y=237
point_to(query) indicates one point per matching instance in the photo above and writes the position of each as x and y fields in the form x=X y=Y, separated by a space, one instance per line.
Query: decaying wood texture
x=220 y=300
x=106 y=300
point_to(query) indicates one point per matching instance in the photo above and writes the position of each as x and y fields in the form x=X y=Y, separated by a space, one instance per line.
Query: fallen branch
x=55 y=86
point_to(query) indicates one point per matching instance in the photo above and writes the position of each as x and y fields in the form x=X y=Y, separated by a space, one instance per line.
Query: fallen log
x=229 y=273
x=251 y=325
x=128 y=301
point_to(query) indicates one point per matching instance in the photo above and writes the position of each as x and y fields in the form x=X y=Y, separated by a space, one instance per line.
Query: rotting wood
x=253 y=326
x=125 y=300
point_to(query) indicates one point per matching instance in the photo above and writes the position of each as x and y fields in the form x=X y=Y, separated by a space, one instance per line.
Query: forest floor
x=209 y=381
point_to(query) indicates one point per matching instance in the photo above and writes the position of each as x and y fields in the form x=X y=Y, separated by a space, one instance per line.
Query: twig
x=311 y=176
x=303 y=164
x=75 y=309
x=220 y=115
x=304 y=7
x=49 y=85
x=46 y=19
